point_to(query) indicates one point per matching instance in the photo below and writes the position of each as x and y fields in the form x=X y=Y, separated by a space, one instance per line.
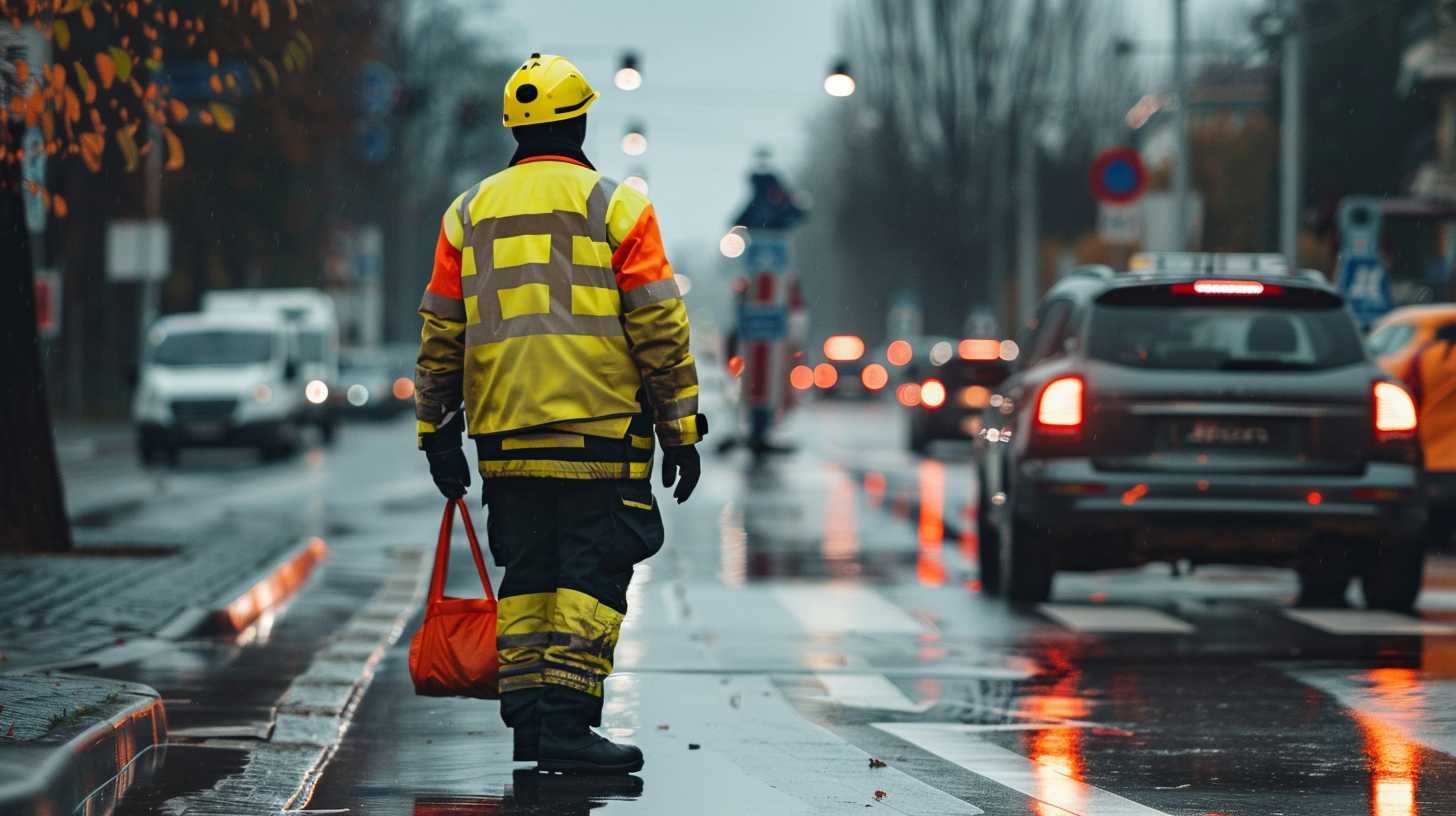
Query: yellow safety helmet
x=546 y=88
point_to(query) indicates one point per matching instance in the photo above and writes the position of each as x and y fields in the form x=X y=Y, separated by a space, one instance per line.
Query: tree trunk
x=32 y=503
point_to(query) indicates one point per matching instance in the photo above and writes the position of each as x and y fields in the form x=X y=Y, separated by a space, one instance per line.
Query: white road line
x=844 y=608
x=1043 y=782
x=1367 y=622
x=1438 y=600
x=756 y=753
x=1109 y=618
x=869 y=691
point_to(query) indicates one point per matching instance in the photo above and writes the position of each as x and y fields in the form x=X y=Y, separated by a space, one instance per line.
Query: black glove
x=451 y=472
x=448 y=465
x=681 y=464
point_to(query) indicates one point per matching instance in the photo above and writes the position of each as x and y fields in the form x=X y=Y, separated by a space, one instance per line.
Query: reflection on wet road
x=813 y=640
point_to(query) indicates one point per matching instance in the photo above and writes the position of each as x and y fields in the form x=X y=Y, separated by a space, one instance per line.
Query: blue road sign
x=765 y=254
x=762 y=322
x=1366 y=287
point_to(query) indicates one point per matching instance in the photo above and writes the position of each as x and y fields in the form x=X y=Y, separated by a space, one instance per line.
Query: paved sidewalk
x=116 y=587
x=66 y=739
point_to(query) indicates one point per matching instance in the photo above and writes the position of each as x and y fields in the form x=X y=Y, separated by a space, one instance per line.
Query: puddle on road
x=189 y=769
x=532 y=793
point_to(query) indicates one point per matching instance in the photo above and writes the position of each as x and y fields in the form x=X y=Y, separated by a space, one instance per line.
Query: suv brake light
x=1395 y=411
x=1235 y=288
x=1059 y=409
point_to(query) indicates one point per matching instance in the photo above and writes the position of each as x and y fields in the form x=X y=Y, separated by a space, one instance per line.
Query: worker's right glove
x=448 y=465
x=681 y=464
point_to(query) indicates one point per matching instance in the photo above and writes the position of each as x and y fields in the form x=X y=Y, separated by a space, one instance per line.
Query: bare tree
x=912 y=180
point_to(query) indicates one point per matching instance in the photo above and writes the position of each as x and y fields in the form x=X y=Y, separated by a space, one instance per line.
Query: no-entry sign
x=1117 y=176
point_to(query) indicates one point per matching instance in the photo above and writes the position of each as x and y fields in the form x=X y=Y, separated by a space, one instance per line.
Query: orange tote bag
x=453 y=654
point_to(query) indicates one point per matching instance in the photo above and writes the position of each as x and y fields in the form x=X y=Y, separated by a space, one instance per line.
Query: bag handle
x=442 y=552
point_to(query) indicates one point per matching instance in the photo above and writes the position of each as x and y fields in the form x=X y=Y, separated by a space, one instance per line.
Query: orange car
x=1417 y=345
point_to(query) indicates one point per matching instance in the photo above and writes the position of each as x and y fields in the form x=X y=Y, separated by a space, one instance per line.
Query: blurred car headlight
x=316 y=392
x=357 y=395
x=404 y=388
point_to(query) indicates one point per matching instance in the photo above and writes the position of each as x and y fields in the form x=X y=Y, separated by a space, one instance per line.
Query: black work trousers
x=568 y=547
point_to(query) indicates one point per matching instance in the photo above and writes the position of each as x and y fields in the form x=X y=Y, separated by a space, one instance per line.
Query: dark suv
x=1161 y=416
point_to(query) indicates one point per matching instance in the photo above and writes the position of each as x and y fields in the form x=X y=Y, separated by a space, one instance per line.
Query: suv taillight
x=1394 y=417
x=1395 y=412
x=1059 y=408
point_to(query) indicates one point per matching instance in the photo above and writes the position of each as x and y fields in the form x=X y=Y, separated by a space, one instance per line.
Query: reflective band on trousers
x=539 y=273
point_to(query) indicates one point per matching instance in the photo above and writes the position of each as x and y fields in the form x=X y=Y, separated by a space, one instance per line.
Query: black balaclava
x=563 y=138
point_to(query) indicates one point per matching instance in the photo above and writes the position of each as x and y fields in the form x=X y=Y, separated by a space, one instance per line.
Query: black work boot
x=527 y=742
x=569 y=746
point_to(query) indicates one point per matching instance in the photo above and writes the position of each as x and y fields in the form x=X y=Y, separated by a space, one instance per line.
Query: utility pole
x=1291 y=157
x=1180 y=124
x=152 y=204
x=1026 y=219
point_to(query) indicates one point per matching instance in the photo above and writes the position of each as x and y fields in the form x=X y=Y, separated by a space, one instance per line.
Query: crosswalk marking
x=1112 y=618
x=753 y=753
x=844 y=608
x=1044 y=782
x=869 y=691
x=1366 y=622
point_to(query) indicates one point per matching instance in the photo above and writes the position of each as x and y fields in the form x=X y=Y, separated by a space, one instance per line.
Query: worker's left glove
x=681 y=464
x=448 y=465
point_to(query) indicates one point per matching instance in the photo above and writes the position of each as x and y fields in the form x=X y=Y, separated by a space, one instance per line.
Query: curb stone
x=93 y=760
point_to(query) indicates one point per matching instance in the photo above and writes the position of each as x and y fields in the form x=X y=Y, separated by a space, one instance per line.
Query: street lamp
x=637 y=181
x=629 y=76
x=634 y=141
x=839 y=82
x=734 y=243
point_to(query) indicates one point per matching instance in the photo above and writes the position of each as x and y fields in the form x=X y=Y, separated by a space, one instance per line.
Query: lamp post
x=839 y=82
x=629 y=75
x=634 y=141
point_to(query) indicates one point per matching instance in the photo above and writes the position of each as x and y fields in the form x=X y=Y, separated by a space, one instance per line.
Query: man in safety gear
x=553 y=319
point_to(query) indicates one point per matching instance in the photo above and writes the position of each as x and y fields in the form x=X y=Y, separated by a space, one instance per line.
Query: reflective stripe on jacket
x=552 y=307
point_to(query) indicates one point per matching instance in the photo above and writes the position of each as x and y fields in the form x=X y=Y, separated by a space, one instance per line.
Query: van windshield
x=227 y=347
x=311 y=346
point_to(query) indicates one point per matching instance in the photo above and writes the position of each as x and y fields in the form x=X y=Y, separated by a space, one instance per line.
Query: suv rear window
x=1225 y=335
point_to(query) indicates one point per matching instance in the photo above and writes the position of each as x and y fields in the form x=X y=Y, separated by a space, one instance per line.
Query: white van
x=313 y=316
x=218 y=379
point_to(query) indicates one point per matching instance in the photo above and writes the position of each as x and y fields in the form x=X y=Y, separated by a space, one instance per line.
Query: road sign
x=48 y=302
x=770 y=205
x=1366 y=287
x=1120 y=223
x=762 y=323
x=378 y=89
x=33 y=172
x=1117 y=176
x=138 y=250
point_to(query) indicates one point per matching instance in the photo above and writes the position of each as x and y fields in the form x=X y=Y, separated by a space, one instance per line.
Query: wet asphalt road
x=808 y=619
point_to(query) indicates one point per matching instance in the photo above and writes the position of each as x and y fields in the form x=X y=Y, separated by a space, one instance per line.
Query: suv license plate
x=1208 y=433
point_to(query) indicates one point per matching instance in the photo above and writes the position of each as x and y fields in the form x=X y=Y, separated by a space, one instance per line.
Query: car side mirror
x=290 y=370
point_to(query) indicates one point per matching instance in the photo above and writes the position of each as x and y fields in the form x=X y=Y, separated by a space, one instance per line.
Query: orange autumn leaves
x=116 y=98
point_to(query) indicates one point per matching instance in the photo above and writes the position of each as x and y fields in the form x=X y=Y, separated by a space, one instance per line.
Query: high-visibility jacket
x=1432 y=381
x=553 y=317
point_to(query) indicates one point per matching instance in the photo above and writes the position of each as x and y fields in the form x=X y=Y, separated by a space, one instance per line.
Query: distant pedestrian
x=553 y=320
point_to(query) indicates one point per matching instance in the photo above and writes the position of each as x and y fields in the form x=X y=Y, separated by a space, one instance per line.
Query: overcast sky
x=720 y=78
